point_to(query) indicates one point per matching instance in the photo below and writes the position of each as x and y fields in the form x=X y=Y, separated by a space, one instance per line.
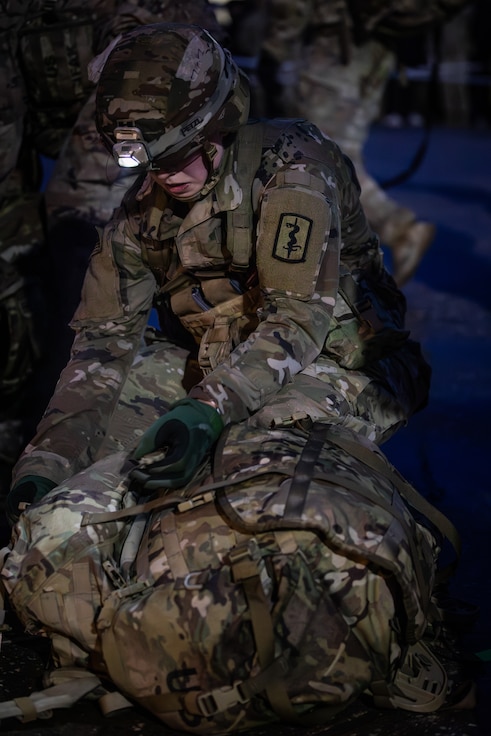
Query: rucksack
x=280 y=587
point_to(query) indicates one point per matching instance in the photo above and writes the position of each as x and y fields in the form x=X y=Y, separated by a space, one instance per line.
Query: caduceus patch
x=292 y=238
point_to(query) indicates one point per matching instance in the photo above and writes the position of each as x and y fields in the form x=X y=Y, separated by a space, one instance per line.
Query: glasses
x=175 y=162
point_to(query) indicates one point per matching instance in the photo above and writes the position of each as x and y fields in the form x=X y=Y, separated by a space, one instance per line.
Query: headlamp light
x=130 y=151
x=130 y=155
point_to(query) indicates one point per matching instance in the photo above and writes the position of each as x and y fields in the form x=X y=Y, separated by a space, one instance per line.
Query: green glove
x=28 y=490
x=184 y=436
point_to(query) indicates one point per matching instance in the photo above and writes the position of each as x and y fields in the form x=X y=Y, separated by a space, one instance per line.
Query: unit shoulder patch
x=292 y=237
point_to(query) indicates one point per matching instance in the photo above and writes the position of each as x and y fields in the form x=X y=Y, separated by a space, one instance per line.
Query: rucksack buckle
x=220 y=699
x=420 y=684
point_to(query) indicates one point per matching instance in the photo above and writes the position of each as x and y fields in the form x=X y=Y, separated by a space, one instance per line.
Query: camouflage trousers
x=344 y=100
x=373 y=404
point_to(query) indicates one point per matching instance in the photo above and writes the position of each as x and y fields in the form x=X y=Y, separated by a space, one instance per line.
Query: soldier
x=47 y=114
x=250 y=241
x=86 y=184
x=331 y=62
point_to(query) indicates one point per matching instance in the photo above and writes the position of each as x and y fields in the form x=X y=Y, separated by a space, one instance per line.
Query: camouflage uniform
x=86 y=184
x=252 y=311
x=44 y=91
x=338 y=74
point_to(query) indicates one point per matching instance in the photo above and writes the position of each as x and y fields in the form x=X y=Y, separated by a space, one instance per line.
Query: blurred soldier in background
x=47 y=114
x=329 y=61
x=246 y=23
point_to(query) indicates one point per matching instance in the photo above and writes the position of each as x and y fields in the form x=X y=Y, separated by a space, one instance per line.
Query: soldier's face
x=187 y=179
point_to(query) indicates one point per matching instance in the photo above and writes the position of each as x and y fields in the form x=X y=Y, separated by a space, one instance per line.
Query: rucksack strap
x=59 y=696
x=271 y=678
x=306 y=472
x=409 y=493
x=245 y=570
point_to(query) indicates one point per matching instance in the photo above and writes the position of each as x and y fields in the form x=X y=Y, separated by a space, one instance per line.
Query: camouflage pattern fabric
x=86 y=182
x=49 y=52
x=316 y=555
x=44 y=91
x=336 y=70
x=339 y=86
x=54 y=545
x=23 y=321
x=297 y=343
x=22 y=330
x=17 y=326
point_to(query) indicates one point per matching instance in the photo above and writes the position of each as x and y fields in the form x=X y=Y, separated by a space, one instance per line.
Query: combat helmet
x=164 y=91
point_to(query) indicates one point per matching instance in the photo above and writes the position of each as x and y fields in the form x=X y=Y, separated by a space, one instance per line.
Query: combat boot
x=408 y=250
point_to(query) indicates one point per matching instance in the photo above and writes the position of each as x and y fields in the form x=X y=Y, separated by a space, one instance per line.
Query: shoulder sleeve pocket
x=293 y=235
x=101 y=292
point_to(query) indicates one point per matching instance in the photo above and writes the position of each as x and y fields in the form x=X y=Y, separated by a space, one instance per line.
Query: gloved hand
x=28 y=490
x=176 y=444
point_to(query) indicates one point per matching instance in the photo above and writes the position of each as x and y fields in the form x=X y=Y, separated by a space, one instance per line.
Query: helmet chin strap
x=210 y=152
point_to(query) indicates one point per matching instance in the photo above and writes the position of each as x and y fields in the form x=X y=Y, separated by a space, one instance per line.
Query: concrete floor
x=443 y=452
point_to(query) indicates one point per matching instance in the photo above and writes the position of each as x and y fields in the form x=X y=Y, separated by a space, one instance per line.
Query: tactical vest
x=219 y=309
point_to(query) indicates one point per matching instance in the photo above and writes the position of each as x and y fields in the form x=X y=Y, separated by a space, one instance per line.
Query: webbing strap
x=408 y=492
x=175 y=558
x=63 y=695
x=302 y=476
x=305 y=473
x=351 y=485
x=245 y=569
x=240 y=220
x=29 y=712
x=359 y=303
x=262 y=626
x=197 y=702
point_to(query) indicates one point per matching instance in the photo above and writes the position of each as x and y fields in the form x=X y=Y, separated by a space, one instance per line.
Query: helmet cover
x=170 y=86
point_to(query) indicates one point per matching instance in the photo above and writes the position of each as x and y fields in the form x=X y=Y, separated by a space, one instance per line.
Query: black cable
x=432 y=96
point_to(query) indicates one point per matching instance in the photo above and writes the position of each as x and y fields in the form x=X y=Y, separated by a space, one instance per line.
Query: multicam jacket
x=305 y=233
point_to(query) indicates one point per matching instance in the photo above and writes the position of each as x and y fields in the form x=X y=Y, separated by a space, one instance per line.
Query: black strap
x=304 y=471
x=432 y=97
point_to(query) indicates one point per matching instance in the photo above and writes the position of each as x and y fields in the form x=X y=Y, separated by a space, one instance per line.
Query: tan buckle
x=421 y=683
x=220 y=699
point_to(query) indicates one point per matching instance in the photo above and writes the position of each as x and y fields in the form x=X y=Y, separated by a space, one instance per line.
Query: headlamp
x=130 y=151
x=130 y=155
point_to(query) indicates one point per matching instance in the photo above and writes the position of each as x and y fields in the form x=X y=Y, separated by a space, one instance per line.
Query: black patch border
x=307 y=238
